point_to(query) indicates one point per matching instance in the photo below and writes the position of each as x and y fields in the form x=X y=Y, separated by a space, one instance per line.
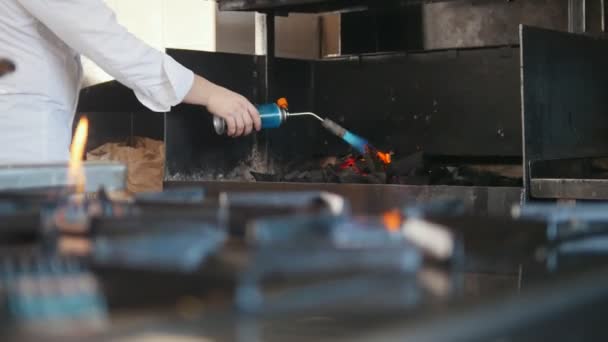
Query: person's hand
x=240 y=115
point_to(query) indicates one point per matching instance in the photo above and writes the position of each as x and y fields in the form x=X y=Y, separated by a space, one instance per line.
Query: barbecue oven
x=427 y=228
x=443 y=106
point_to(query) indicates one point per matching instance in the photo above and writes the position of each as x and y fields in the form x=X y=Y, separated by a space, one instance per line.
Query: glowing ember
x=392 y=220
x=386 y=158
x=351 y=163
x=76 y=171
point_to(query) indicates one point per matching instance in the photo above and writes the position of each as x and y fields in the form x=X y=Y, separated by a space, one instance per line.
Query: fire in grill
x=388 y=168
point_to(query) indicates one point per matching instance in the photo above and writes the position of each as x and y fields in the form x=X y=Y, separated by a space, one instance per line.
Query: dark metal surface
x=122 y=127
x=370 y=199
x=566 y=188
x=313 y=5
x=559 y=310
x=192 y=146
x=604 y=7
x=109 y=97
x=577 y=20
x=115 y=115
x=111 y=176
x=417 y=101
x=501 y=304
x=401 y=102
x=381 y=30
x=565 y=81
x=269 y=61
x=562 y=168
x=567 y=310
x=487 y=23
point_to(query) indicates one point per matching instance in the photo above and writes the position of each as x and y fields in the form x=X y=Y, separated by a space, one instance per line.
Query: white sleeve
x=90 y=27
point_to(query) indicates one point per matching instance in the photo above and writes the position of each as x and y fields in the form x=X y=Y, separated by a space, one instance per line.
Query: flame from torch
x=79 y=142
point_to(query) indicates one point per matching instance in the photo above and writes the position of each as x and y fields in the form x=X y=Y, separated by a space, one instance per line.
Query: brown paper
x=145 y=162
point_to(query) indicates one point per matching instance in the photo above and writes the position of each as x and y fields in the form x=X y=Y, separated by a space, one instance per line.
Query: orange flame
x=392 y=220
x=386 y=158
x=76 y=171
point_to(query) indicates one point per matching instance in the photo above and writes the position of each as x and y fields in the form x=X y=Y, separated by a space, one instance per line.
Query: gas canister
x=272 y=115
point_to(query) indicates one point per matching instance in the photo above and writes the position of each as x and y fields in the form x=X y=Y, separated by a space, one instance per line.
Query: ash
x=414 y=169
x=256 y=162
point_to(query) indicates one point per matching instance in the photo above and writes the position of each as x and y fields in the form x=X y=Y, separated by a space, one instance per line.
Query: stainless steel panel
x=314 y=6
x=112 y=176
x=374 y=199
x=489 y=23
x=565 y=82
x=583 y=189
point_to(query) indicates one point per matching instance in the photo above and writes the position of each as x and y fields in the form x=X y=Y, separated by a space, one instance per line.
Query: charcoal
x=265 y=177
x=350 y=176
x=317 y=176
x=378 y=178
x=410 y=180
x=295 y=176
x=411 y=165
x=443 y=175
x=413 y=169
x=331 y=174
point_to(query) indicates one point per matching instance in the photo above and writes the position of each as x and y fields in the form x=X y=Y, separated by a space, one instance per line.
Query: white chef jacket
x=45 y=39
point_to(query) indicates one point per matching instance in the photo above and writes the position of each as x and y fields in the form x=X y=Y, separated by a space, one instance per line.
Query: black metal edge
x=308 y=87
x=562 y=122
x=511 y=317
x=564 y=188
x=315 y=6
x=375 y=199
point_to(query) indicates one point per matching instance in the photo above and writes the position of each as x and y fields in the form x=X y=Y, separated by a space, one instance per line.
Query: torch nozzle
x=354 y=140
x=334 y=128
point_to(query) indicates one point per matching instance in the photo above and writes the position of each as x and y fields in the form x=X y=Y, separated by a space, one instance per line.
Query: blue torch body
x=271 y=115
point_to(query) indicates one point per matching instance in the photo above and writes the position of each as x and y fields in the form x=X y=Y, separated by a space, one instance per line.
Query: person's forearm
x=158 y=80
x=240 y=115
x=199 y=93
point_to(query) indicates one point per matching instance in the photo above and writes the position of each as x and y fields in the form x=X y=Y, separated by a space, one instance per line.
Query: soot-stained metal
x=565 y=81
x=399 y=102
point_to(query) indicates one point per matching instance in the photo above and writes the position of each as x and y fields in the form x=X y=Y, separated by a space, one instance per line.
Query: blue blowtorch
x=274 y=114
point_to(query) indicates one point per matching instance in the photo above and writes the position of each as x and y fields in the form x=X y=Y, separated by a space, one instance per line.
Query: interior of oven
x=441 y=87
